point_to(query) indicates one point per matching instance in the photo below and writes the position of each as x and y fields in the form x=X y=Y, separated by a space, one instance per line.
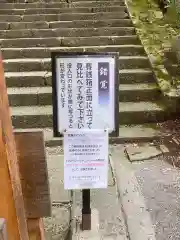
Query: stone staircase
x=30 y=31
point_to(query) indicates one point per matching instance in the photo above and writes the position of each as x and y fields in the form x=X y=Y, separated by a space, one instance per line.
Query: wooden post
x=11 y=199
x=34 y=173
x=34 y=178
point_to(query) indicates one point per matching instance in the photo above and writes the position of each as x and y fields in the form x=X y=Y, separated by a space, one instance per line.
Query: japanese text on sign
x=85 y=92
x=85 y=159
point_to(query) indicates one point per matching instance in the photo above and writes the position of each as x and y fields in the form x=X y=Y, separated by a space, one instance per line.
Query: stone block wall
x=172 y=58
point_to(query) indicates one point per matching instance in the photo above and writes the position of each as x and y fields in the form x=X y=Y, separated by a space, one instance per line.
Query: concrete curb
x=138 y=219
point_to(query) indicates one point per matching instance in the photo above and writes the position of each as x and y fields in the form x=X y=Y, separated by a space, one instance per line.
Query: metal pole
x=86 y=210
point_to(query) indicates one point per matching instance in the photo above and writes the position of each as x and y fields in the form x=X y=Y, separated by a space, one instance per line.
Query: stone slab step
x=130 y=76
x=64 y=4
x=125 y=62
x=39 y=47
x=120 y=1
x=28 y=79
x=127 y=134
x=63 y=10
x=66 y=24
x=57 y=1
x=43 y=78
x=92 y=23
x=4 y=26
x=129 y=113
x=133 y=62
x=63 y=17
x=32 y=117
x=73 y=1
x=39 y=64
x=39 y=96
x=67 y=32
x=141 y=112
x=138 y=92
x=33 y=96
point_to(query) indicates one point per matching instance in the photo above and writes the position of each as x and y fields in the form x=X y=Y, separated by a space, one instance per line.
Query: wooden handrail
x=11 y=199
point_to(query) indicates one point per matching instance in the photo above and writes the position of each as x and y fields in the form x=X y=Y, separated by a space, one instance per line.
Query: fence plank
x=34 y=174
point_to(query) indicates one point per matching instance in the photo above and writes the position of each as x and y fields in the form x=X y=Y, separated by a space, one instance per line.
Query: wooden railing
x=21 y=211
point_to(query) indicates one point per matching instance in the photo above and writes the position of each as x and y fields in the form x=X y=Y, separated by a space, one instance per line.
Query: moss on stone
x=156 y=33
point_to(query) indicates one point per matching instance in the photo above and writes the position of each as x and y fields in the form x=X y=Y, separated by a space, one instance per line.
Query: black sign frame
x=55 y=56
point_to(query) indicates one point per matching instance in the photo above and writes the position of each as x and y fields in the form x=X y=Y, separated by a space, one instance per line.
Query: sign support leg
x=86 y=210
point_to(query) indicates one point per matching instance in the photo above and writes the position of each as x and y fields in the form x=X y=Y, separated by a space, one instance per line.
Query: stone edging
x=138 y=218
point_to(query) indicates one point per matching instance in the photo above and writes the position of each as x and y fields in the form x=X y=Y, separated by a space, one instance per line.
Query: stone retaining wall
x=172 y=59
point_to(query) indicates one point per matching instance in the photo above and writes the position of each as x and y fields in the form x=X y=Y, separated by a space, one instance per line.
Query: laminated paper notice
x=85 y=159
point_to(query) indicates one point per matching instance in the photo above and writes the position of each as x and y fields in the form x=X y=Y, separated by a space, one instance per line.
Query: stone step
x=129 y=113
x=67 y=32
x=63 y=17
x=66 y=24
x=57 y=1
x=125 y=62
x=4 y=26
x=129 y=76
x=92 y=23
x=127 y=134
x=39 y=96
x=32 y=117
x=44 y=64
x=73 y=1
x=141 y=112
x=138 y=92
x=28 y=79
x=29 y=11
x=64 y=4
x=38 y=47
x=43 y=78
x=34 y=96
x=134 y=62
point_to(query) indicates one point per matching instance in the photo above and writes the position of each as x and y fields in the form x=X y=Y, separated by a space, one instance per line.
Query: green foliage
x=156 y=33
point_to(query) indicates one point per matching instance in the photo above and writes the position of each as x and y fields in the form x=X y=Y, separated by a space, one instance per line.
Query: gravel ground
x=172 y=142
x=160 y=186
x=57 y=226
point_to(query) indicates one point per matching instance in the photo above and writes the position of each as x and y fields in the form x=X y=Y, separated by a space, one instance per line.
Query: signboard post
x=85 y=165
x=86 y=209
x=85 y=110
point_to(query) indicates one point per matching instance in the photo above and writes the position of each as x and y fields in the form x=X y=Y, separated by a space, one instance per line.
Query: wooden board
x=34 y=175
x=11 y=199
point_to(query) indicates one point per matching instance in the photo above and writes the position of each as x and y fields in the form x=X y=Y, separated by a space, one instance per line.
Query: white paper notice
x=85 y=159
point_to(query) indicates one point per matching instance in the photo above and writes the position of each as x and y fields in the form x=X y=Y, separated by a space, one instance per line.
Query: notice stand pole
x=86 y=210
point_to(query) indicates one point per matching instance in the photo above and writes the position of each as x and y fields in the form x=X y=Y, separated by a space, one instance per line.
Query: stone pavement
x=141 y=201
x=150 y=194
x=109 y=209
x=57 y=227
x=105 y=201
